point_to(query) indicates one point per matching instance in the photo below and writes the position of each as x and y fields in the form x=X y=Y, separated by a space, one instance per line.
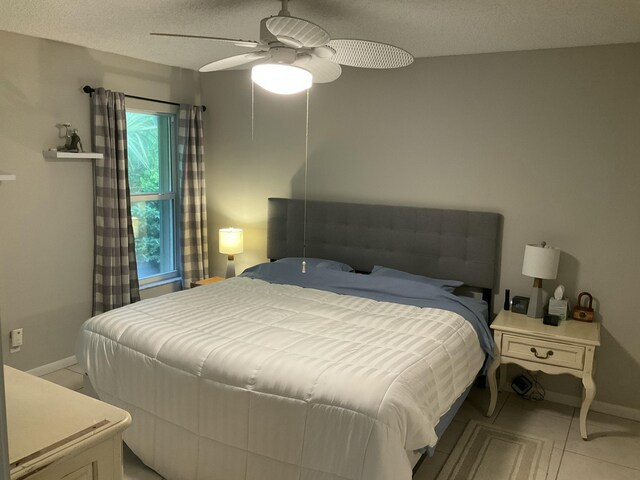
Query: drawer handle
x=535 y=352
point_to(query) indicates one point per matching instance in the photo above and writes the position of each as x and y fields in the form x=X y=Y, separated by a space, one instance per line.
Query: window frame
x=170 y=112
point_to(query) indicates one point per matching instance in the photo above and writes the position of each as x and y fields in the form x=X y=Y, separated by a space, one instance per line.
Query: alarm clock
x=520 y=305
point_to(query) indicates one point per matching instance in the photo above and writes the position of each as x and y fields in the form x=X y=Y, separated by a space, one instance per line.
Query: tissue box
x=558 y=307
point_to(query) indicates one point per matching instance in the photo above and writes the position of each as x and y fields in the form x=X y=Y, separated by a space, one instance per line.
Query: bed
x=328 y=375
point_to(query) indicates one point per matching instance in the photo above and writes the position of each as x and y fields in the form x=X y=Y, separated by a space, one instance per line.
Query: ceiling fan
x=293 y=53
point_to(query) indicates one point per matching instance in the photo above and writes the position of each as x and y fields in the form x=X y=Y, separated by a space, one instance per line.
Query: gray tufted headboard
x=450 y=244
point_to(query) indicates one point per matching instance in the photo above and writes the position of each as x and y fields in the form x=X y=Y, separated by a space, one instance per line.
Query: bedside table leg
x=491 y=377
x=589 y=390
x=589 y=394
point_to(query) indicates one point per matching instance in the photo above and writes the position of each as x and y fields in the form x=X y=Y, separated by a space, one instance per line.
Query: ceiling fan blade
x=368 y=54
x=239 y=43
x=307 y=33
x=322 y=69
x=234 y=61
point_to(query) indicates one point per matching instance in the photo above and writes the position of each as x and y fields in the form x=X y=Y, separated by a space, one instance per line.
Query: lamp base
x=536 y=303
x=231 y=267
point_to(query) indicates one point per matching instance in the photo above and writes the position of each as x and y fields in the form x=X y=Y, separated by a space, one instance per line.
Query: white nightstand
x=567 y=348
x=206 y=281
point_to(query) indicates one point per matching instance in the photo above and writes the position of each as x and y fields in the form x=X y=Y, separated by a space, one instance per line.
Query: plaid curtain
x=115 y=275
x=193 y=197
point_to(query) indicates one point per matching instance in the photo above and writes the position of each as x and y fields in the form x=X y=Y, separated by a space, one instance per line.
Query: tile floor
x=612 y=453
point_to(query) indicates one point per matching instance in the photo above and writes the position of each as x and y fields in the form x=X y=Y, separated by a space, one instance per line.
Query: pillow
x=447 y=285
x=318 y=263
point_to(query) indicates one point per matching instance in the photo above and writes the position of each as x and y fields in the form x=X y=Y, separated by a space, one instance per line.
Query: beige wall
x=549 y=139
x=46 y=230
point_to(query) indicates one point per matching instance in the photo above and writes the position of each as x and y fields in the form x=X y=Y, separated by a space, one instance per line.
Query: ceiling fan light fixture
x=282 y=79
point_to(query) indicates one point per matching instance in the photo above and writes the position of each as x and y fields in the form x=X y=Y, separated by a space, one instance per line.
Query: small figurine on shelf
x=73 y=142
x=76 y=143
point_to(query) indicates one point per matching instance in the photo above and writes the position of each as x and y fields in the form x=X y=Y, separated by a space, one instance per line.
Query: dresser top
x=44 y=419
x=573 y=331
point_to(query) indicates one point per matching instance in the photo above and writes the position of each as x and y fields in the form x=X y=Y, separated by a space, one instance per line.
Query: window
x=152 y=173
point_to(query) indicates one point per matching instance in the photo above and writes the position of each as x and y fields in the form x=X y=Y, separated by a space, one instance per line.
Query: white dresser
x=55 y=433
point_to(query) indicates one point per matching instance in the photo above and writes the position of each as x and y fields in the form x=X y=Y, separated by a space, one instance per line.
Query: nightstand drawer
x=540 y=351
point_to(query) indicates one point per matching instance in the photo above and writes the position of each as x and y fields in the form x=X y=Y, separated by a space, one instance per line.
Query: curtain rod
x=89 y=90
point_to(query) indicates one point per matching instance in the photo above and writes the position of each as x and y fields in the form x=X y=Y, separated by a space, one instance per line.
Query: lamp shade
x=280 y=78
x=540 y=261
x=230 y=240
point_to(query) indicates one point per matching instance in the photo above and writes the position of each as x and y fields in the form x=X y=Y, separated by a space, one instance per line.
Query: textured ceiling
x=423 y=27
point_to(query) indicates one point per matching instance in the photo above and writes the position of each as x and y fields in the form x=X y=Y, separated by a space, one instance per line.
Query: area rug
x=485 y=452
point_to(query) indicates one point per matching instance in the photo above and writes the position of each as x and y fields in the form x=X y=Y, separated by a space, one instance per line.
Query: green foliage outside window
x=148 y=237
x=143 y=146
x=144 y=177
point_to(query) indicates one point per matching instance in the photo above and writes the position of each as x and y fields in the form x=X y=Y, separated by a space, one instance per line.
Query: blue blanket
x=383 y=289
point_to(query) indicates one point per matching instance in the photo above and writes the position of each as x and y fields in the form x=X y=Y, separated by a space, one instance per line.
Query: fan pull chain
x=306 y=164
x=252 y=109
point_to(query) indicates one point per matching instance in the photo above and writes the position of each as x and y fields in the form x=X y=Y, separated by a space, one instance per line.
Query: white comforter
x=244 y=379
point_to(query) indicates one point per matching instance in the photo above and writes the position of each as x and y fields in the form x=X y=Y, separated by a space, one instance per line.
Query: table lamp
x=230 y=243
x=540 y=262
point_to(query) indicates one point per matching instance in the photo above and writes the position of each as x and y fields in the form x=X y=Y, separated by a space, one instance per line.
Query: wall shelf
x=5 y=176
x=55 y=155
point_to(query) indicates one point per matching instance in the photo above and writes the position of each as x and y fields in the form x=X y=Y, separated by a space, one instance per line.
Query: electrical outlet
x=16 y=340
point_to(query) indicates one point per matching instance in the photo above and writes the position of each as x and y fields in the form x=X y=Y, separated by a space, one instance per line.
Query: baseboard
x=52 y=367
x=596 y=406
